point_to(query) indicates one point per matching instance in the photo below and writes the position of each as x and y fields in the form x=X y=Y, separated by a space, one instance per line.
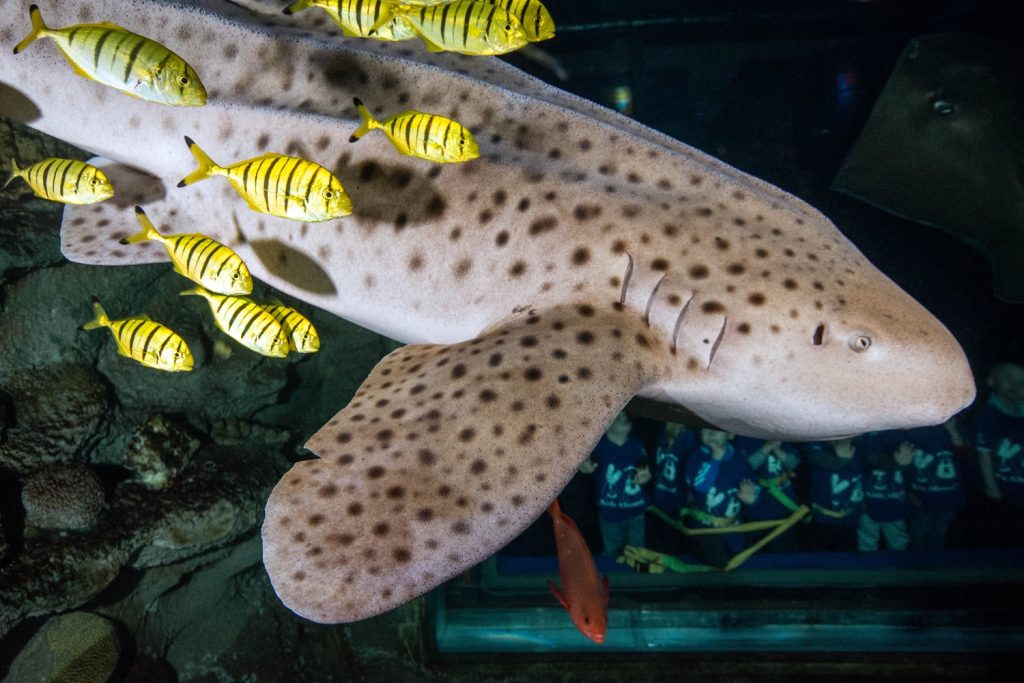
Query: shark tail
x=149 y=231
x=207 y=167
x=15 y=172
x=38 y=29
x=101 y=319
x=369 y=123
x=297 y=6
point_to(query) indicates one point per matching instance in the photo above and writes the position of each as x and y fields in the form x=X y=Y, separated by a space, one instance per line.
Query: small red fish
x=582 y=593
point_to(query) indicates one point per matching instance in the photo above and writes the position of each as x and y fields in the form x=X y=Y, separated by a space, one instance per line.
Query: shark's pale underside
x=582 y=260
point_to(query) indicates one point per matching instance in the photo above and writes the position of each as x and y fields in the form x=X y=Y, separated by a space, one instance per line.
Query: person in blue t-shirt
x=936 y=490
x=999 y=439
x=720 y=481
x=669 y=493
x=774 y=463
x=885 y=492
x=837 y=494
x=619 y=463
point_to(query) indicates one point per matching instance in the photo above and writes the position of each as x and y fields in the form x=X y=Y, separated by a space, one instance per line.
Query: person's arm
x=757 y=458
x=988 y=474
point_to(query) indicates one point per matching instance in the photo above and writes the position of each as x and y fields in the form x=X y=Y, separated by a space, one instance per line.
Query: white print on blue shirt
x=774 y=466
x=886 y=484
x=934 y=473
x=1009 y=468
x=630 y=489
x=840 y=486
x=715 y=498
x=667 y=463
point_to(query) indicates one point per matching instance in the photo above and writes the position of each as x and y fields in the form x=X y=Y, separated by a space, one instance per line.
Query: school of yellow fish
x=275 y=184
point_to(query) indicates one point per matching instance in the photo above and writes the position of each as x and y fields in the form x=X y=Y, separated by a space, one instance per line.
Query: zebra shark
x=582 y=260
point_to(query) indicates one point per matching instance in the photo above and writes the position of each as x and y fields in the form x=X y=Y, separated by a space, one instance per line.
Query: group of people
x=896 y=490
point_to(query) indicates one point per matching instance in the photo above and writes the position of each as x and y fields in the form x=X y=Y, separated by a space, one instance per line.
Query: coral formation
x=77 y=648
x=62 y=497
x=158 y=450
x=59 y=411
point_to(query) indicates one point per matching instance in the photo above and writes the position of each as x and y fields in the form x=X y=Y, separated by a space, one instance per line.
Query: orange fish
x=582 y=593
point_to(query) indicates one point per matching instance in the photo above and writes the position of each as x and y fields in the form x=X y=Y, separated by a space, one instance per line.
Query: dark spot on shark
x=710 y=307
x=501 y=239
x=757 y=299
x=699 y=271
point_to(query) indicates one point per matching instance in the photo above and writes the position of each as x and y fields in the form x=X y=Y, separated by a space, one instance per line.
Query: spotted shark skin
x=581 y=261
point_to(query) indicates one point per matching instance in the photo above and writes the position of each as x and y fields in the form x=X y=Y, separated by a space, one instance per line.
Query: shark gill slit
x=679 y=321
x=625 y=278
x=650 y=301
x=718 y=342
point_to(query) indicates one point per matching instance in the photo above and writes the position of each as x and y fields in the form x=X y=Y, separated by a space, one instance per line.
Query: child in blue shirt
x=669 y=494
x=936 y=490
x=720 y=481
x=885 y=493
x=999 y=439
x=774 y=464
x=837 y=494
x=619 y=462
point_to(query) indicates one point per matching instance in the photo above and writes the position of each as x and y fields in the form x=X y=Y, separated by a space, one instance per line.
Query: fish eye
x=183 y=80
x=95 y=181
x=236 y=275
x=860 y=343
x=508 y=27
x=586 y=620
x=328 y=194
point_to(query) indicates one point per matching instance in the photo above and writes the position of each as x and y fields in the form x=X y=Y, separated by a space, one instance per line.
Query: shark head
x=828 y=366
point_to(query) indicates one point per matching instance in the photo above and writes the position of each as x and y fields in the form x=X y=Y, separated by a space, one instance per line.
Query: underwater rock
x=233 y=431
x=216 y=498
x=29 y=235
x=158 y=450
x=57 y=412
x=62 y=497
x=78 y=648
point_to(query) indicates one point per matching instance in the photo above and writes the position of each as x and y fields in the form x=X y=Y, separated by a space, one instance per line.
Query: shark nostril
x=819 y=335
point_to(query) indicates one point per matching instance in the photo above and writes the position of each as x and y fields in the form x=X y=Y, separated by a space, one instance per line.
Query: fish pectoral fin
x=557 y=592
x=445 y=454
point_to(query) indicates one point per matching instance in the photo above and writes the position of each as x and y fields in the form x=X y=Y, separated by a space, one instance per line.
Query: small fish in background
x=112 y=55
x=279 y=185
x=533 y=16
x=357 y=17
x=583 y=594
x=139 y=338
x=245 y=321
x=467 y=27
x=427 y=136
x=201 y=259
x=302 y=336
x=64 y=180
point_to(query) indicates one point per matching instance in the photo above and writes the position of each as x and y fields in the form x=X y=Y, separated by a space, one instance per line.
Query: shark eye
x=860 y=343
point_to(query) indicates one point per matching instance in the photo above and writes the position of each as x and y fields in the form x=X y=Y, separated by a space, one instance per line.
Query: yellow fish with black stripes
x=427 y=136
x=112 y=55
x=357 y=17
x=201 y=259
x=469 y=27
x=141 y=339
x=302 y=336
x=533 y=16
x=245 y=321
x=282 y=186
x=64 y=180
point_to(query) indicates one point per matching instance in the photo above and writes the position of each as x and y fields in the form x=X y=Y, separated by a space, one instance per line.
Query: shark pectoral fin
x=558 y=594
x=445 y=454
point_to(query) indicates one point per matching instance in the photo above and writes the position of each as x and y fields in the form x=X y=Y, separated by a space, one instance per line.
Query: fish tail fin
x=195 y=291
x=207 y=167
x=15 y=172
x=369 y=123
x=297 y=6
x=38 y=29
x=388 y=11
x=101 y=319
x=149 y=231
x=554 y=510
